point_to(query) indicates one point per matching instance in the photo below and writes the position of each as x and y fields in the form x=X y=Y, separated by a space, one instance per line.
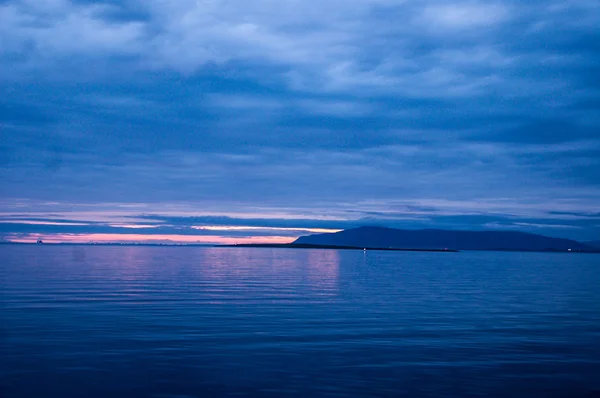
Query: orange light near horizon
x=146 y=238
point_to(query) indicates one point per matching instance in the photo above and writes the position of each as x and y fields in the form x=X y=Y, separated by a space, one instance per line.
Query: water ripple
x=212 y=322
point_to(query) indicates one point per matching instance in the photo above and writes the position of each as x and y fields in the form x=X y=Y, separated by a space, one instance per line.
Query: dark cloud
x=573 y=225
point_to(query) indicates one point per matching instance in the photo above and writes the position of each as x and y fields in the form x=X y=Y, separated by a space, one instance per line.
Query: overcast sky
x=238 y=121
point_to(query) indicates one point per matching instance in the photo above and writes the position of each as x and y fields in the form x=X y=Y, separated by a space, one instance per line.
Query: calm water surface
x=81 y=321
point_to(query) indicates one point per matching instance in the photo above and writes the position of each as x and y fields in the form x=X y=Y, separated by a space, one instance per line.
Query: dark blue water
x=90 y=321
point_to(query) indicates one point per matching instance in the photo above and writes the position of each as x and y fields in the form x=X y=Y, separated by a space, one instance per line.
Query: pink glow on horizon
x=144 y=238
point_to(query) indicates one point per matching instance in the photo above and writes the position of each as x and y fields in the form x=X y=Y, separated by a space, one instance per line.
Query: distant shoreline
x=337 y=247
x=244 y=245
x=330 y=247
x=296 y=246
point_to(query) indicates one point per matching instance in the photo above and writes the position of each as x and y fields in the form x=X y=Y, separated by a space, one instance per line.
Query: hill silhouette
x=441 y=239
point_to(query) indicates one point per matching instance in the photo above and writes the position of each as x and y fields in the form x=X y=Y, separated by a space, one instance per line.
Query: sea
x=180 y=322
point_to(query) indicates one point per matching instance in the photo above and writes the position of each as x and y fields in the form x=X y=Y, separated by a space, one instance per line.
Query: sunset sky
x=221 y=121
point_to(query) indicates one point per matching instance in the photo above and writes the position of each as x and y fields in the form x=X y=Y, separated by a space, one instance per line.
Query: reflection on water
x=277 y=274
x=210 y=322
x=323 y=271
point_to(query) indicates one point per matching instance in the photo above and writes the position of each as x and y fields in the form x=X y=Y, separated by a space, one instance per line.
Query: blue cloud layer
x=485 y=110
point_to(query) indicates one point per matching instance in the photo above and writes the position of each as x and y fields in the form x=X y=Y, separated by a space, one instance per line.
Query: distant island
x=440 y=239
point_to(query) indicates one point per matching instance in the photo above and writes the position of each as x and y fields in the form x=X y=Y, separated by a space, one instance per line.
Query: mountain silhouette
x=441 y=239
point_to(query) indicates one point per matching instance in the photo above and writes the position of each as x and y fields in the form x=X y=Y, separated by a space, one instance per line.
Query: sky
x=229 y=121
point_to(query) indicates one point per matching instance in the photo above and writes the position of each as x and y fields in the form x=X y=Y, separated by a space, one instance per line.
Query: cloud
x=51 y=29
x=309 y=109
x=178 y=220
x=467 y=15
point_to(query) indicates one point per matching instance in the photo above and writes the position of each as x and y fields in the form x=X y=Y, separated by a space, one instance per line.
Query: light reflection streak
x=283 y=272
x=323 y=270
